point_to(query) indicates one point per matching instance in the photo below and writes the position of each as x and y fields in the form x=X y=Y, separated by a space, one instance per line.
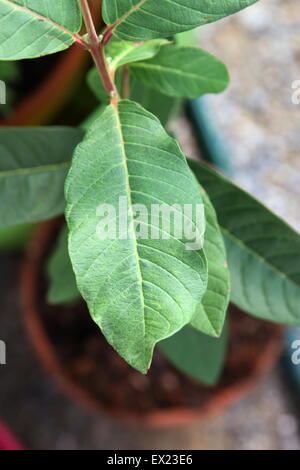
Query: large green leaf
x=62 y=287
x=125 y=52
x=182 y=72
x=263 y=251
x=33 y=166
x=197 y=355
x=211 y=312
x=32 y=28
x=139 y=291
x=147 y=19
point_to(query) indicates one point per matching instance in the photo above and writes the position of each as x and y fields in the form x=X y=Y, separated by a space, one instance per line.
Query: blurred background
x=256 y=126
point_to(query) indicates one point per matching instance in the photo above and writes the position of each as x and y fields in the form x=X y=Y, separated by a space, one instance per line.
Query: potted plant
x=150 y=239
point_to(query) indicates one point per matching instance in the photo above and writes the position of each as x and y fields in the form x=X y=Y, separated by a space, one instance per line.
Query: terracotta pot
x=30 y=275
x=7 y=440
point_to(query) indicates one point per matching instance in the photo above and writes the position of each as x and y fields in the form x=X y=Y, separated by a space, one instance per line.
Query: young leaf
x=197 y=355
x=37 y=27
x=32 y=178
x=263 y=251
x=148 y=19
x=210 y=315
x=96 y=85
x=139 y=290
x=62 y=287
x=125 y=52
x=153 y=101
x=160 y=105
x=182 y=72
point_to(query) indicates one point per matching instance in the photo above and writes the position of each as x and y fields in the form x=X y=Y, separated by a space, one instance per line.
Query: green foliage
x=62 y=281
x=182 y=72
x=139 y=291
x=125 y=52
x=147 y=19
x=33 y=166
x=9 y=73
x=211 y=312
x=36 y=28
x=153 y=101
x=142 y=290
x=263 y=251
x=197 y=355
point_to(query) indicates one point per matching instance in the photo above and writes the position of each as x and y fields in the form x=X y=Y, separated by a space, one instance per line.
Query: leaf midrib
x=128 y=13
x=40 y=17
x=33 y=170
x=142 y=2
x=174 y=71
x=137 y=257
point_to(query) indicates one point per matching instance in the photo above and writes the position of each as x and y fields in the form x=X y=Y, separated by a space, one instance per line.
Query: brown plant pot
x=258 y=359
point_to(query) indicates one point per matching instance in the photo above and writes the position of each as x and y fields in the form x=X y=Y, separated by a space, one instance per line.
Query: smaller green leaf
x=125 y=52
x=9 y=71
x=63 y=288
x=212 y=310
x=197 y=355
x=156 y=103
x=95 y=83
x=160 y=105
x=33 y=167
x=182 y=72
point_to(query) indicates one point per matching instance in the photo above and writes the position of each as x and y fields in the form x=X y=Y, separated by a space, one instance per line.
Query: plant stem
x=107 y=34
x=96 y=49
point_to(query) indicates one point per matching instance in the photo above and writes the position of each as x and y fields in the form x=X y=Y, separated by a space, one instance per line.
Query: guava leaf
x=186 y=72
x=211 y=313
x=33 y=28
x=62 y=282
x=149 y=19
x=139 y=289
x=33 y=166
x=263 y=252
x=197 y=355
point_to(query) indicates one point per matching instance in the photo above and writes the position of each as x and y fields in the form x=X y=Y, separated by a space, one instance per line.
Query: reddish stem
x=108 y=32
x=96 y=49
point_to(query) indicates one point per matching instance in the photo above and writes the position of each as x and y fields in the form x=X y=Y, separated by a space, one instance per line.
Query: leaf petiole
x=96 y=48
